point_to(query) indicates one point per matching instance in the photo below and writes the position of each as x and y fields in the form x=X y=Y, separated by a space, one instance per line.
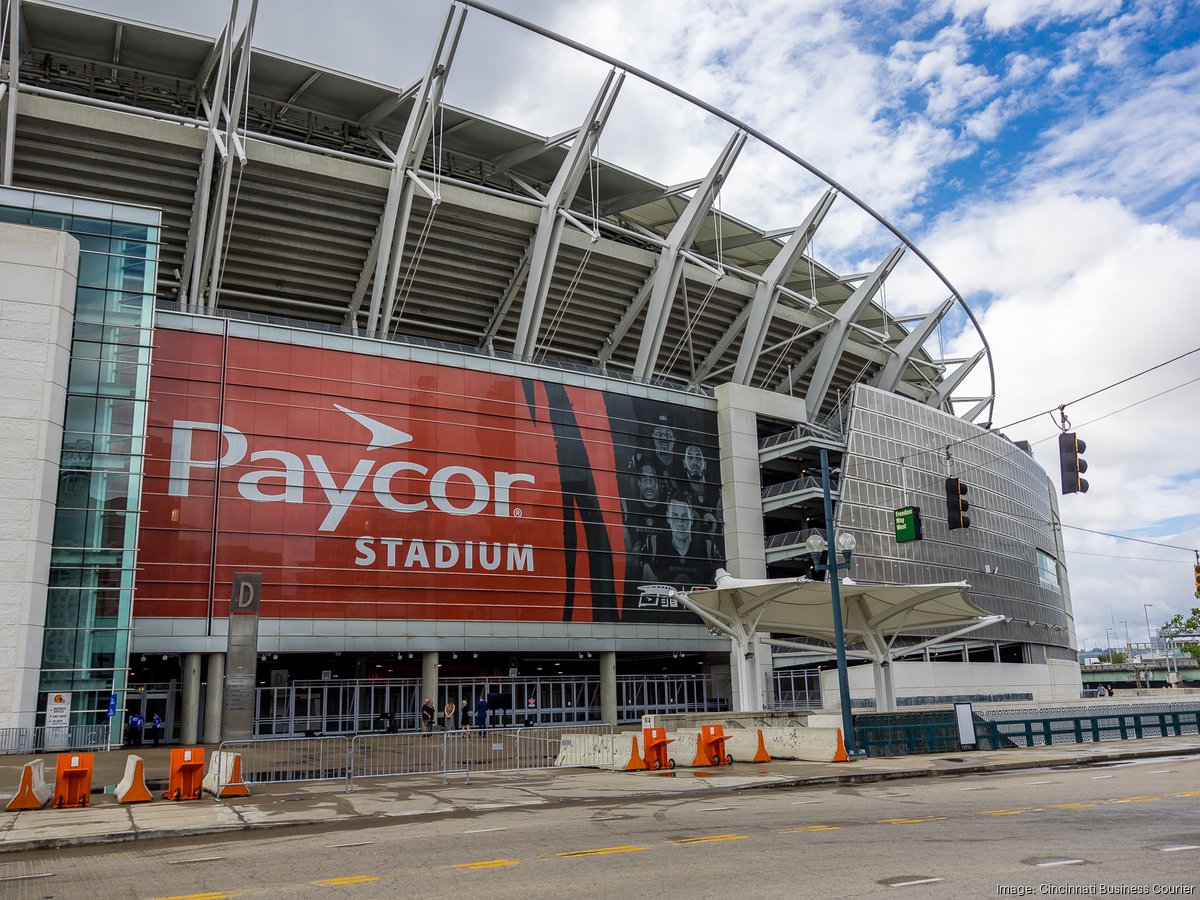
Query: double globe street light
x=845 y=544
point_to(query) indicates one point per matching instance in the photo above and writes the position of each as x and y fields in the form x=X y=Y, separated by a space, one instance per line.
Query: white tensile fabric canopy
x=872 y=615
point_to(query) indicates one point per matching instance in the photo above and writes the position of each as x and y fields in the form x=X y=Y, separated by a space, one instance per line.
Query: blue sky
x=1041 y=152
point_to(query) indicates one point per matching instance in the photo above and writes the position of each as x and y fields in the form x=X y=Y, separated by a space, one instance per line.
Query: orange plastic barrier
x=636 y=763
x=132 y=788
x=73 y=780
x=655 y=741
x=187 y=774
x=762 y=755
x=840 y=754
x=33 y=791
x=710 y=747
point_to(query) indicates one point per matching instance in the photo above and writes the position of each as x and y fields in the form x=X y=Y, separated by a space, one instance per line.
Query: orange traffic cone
x=762 y=755
x=636 y=763
x=840 y=755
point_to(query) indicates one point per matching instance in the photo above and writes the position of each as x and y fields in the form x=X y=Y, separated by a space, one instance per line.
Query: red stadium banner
x=371 y=488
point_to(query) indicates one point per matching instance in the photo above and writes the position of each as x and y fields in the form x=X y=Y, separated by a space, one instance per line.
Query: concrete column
x=37 y=287
x=429 y=679
x=608 y=687
x=189 y=716
x=214 y=699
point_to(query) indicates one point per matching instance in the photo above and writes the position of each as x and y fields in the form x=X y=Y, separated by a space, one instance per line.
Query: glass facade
x=1011 y=553
x=93 y=558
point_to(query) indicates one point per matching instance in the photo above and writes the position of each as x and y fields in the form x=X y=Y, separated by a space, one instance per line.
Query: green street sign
x=908 y=524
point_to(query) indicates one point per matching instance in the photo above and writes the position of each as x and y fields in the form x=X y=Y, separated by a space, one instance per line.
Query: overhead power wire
x=1088 y=396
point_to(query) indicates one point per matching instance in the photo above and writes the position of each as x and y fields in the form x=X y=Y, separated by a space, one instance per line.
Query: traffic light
x=956 y=504
x=1196 y=568
x=1071 y=463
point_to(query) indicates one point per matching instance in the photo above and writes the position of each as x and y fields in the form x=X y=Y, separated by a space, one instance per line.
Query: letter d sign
x=247 y=588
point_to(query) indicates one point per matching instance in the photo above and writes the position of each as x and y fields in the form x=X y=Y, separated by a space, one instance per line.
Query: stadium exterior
x=448 y=399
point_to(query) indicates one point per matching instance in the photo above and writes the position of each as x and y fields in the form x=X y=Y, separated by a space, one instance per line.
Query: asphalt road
x=1129 y=829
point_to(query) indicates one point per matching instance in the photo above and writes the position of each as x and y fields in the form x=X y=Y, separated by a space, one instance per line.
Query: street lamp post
x=844 y=545
x=1149 y=636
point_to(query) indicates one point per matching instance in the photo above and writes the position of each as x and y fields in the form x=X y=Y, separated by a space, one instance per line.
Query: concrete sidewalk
x=280 y=805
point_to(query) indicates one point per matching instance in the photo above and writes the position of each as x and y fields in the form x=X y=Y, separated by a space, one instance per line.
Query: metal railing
x=938 y=732
x=50 y=740
x=444 y=753
x=349 y=707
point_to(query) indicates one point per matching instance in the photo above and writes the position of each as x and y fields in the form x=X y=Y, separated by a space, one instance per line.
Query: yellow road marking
x=599 y=851
x=1187 y=794
x=1006 y=812
x=908 y=821
x=811 y=828
x=1133 y=799
x=348 y=879
x=488 y=864
x=711 y=838
x=1072 y=805
x=209 y=895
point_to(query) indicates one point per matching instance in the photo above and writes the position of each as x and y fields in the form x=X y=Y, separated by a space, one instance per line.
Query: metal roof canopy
x=873 y=615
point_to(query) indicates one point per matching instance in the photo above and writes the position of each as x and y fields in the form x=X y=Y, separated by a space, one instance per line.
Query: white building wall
x=37 y=303
x=940 y=683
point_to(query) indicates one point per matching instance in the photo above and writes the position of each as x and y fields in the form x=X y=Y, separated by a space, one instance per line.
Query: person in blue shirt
x=481 y=714
x=156 y=728
x=135 y=730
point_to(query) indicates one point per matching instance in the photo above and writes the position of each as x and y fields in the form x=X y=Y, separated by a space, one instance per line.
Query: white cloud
x=1003 y=15
x=1082 y=294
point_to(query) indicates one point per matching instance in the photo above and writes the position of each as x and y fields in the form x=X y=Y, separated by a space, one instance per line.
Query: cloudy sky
x=1042 y=153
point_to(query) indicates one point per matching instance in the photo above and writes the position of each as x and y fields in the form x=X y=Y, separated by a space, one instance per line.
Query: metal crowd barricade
x=293 y=759
x=377 y=755
x=14 y=740
x=462 y=752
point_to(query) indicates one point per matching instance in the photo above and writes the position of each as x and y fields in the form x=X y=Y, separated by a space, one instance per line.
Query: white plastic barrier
x=132 y=787
x=224 y=776
x=595 y=751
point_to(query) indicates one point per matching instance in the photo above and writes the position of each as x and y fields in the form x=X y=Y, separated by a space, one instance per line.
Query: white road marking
x=354 y=844
x=972 y=789
x=714 y=808
x=485 y=830
x=1060 y=862
x=24 y=877
x=799 y=802
x=1178 y=847
x=199 y=859
x=918 y=881
x=1103 y=776
x=1043 y=782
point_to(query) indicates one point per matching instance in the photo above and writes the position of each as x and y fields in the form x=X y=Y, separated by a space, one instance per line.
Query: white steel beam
x=393 y=227
x=14 y=81
x=889 y=376
x=951 y=382
x=191 y=282
x=834 y=340
x=762 y=307
x=665 y=279
x=214 y=250
x=550 y=223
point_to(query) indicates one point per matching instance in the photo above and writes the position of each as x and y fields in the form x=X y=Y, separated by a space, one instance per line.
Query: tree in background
x=1177 y=625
